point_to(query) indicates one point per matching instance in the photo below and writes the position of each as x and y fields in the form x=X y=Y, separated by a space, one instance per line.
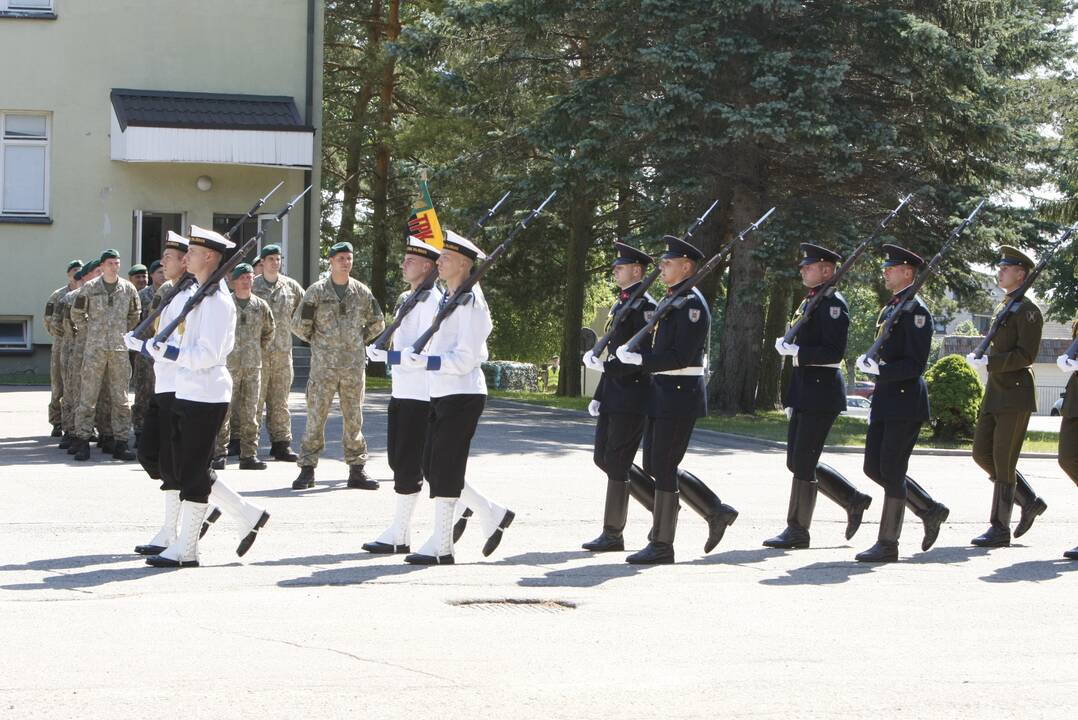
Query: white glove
x=412 y=360
x=376 y=355
x=593 y=408
x=629 y=358
x=789 y=413
x=1066 y=364
x=868 y=367
x=785 y=348
x=590 y=361
x=977 y=362
x=132 y=342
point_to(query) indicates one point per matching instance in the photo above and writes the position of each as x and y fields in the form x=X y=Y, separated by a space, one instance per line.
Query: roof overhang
x=182 y=127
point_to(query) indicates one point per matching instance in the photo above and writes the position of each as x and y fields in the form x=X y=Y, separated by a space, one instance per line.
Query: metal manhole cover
x=516 y=605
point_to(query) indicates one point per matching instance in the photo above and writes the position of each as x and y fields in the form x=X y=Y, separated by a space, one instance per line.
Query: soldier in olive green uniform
x=52 y=325
x=1068 y=429
x=1009 y=400
x=62 y=320
x=254 y=333
x=283 y=295
x=104 y=310
x=338 y=317
x=143 y=366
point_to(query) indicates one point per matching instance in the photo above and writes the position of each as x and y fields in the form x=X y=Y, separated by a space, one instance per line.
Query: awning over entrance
x=187 y=127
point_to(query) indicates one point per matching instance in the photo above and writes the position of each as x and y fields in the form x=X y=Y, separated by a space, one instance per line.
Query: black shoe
x=886 y=547
x=798 y=517
x=933 y=521
x=213 y=516
x=381 y=548
x=162 y=562
x=660 y=550
x=1031 y=505
x=495 y=540
x=607 y=542
x=305 y=479
x=655 y=553
x=280 y=451
x=219 y=463
x=417 y=559
x=82 y=450
x=1071 y=554
x=106 y=445
x=790 y=539
x=74 y=446
x=149 y=549
x=458 y=527
x=252 y=463
x=65 y=441
x=249 y=539
x=358 y=479
x=999 y=534
x=879 y=553
x=57 y=431
x=120 y=451
x=233 y=448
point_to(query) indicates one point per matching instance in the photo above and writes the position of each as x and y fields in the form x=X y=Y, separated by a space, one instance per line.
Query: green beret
x=74 y=264
x=136 y=269
x=154 y=266
x=241 y=269
x=90 y=266
x=271 y=250
x=1013 y=256
x=339 y=248
x=79 y=273
x=109 y=254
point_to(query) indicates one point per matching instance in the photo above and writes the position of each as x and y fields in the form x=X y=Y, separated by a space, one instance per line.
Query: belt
x=693 y=371
x=836 y=366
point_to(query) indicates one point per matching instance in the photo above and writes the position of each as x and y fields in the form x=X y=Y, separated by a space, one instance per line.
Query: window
x=24 y=164
x=26 y=5
x=14 y=334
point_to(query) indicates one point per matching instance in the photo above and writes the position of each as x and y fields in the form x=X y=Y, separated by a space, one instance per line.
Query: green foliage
x=967 y=328
x=954 y=391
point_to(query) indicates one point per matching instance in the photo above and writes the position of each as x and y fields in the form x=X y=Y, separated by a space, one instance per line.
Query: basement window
x=15 y=334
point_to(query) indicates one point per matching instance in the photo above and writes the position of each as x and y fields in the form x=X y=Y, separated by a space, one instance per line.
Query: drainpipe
x=308 y=117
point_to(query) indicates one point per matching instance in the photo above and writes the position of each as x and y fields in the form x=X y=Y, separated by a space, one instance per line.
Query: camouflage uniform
x=144 y=377
x=68 y=368
x=338 y=331
x=56 y=378
x=103 y=318
x=283 y=297
x=254 y=333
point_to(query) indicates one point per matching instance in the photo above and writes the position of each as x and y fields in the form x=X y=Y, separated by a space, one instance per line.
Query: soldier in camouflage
x=62 y=322
x=338 y=317
x=254 y=334
x=56 y=378
x=143 y=366
x=104 y=310
x=283 y=294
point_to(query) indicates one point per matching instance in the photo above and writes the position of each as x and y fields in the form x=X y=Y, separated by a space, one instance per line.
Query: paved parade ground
x=308 y=625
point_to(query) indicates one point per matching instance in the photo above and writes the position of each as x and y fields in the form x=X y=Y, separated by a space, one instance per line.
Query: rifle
x=832 y=286
x=382 y=341
x=673 y=302
x=906 y=303
x=1018 y=295
x=642 y=288
x=458 y=296
x=222 y=271
x=188 y=279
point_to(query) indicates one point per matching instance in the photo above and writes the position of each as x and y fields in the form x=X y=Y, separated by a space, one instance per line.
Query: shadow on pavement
x=68 y=563
x=947 y=555
x=738 y=557
x=319 y=559
x=821 y=573
x=95 y=578
x=351 y=575
x=547 y=558
x=1032 y=571
x=584 y=577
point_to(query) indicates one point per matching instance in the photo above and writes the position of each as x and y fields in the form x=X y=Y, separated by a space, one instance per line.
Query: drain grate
x=516 y=605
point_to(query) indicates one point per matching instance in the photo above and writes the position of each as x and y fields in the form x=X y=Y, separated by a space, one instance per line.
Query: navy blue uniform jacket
x=901 y=393
x=822 y=341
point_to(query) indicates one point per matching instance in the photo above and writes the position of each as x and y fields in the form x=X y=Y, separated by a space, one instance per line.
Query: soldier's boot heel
x=886 y=547
x=82 y=450
x=305 y=479
x=705 y=503
x=660 y=550
x=999 y=533
x=839 y=490
x=798 y=517
x=931 y=513
x=615 y=515
x=281 y=452
x=1031 y=505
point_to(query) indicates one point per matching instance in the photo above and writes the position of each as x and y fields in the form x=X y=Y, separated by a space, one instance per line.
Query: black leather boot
x=65 y=441
x=120 y=451
x=57 y=431
x=219 y=462
x=886 y=547
x=82 y=450
x=798 y=517
x=660 y=550
x=233 y=448
x=642 y=487
x=707 y=505
x=1071 y=554
x=839 y=490
x=251 y=463
x=1031 y=505
x=615 y=515
x=930 y=512
x=999 y=534
x=107 y=443
x=305 y=479
x=358 y=479
x=281 y=451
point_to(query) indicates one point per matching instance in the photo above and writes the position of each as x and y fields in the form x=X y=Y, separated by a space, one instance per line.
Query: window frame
x=46 y=143
x=6 y=6
x=28 y=332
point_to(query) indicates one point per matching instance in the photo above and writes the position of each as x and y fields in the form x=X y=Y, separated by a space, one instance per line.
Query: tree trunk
x=778 y=314
x=580 y=237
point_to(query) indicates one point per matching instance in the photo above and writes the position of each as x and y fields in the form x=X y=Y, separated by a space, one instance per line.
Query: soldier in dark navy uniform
x=815 y=397
x=899 y=408
x=676 y=361
x=621 y=404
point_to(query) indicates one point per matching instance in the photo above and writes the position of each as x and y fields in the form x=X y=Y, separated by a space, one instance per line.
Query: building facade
x=123 y=119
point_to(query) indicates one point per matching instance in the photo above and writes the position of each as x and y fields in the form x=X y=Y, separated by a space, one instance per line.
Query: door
x=148 y=233
x=273 y=233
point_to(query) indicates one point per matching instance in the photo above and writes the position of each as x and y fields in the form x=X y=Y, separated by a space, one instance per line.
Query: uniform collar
x=626 y=293
x=676 y=288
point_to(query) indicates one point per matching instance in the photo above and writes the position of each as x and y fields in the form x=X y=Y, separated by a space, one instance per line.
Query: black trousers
x=453 y=420
x=887 y=453
x=617 y=438
x=155 y=445
x=406 y=436
x=665 y=443
x=805 y=438
x=194 y=434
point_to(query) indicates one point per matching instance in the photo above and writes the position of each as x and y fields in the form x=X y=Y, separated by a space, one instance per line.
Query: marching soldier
x=899 y=408
x=677 y=362
x=143 y=367
x=409 y=404
x=1068 y=430
x=458 y=392
x=815 y=397
x=283 y=295
x=254 y=333
x=338 y=317
x=52 y=325
x=1009 y=399
x=203 y=389
x=105 y=309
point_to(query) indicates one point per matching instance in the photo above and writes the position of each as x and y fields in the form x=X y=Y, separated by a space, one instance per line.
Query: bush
x=954 y=391
x=507 y=375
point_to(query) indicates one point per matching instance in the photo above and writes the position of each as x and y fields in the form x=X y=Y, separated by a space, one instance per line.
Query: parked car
x=863 y=388
x=857 y=406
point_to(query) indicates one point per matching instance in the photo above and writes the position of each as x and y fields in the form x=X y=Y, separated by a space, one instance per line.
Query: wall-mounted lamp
x=204 y=183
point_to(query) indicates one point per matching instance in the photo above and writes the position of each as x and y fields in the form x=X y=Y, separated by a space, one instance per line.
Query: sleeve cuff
x=434 y=362
x=171 y=352
x=393 y=357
